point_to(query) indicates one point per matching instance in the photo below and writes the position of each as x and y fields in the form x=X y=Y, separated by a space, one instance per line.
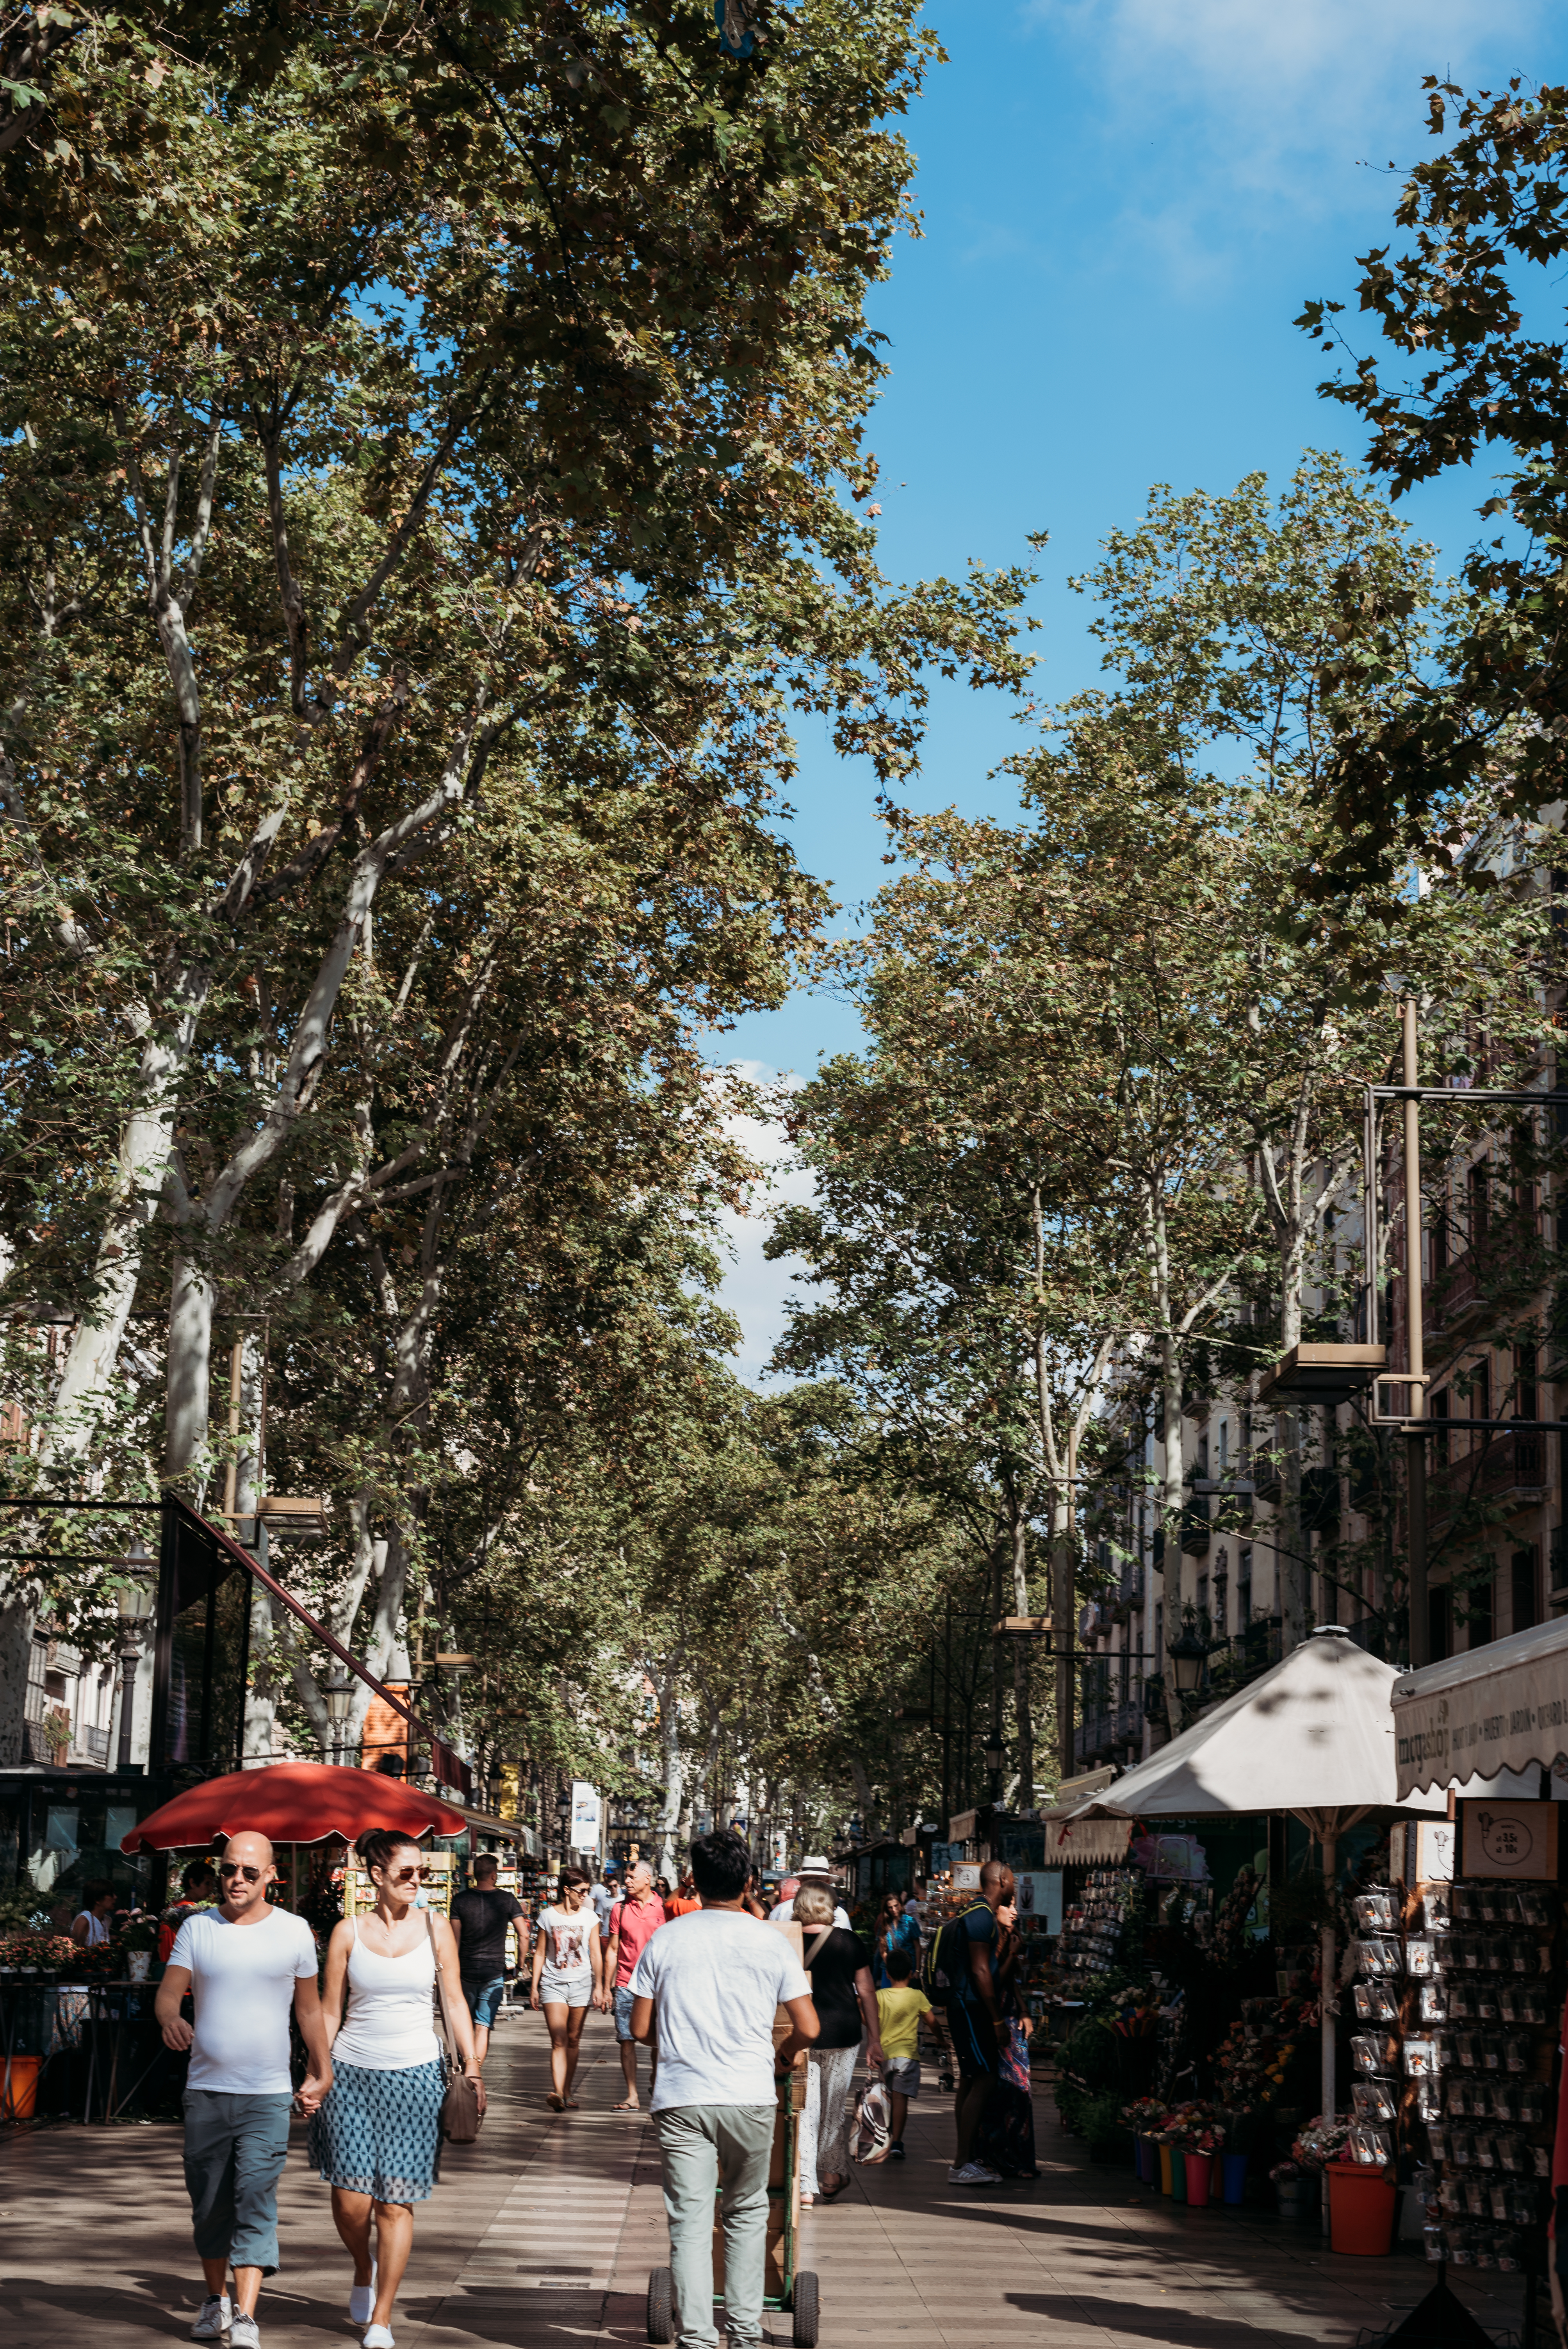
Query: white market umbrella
x=1313 y=1737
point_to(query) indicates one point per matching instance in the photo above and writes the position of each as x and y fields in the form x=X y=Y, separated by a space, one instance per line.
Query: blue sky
x=1126 y=203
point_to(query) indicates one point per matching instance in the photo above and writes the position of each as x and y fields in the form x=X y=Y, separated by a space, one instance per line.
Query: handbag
x=461 y=2114
x=872 y=2125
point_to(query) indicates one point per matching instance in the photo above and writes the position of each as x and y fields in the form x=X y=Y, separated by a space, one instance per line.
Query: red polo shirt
x=633 y=1925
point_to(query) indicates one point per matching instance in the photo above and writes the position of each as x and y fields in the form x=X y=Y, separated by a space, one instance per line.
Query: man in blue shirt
x=973 y=2020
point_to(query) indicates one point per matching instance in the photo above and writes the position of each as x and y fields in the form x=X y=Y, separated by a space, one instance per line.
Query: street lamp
x=563 y=1814
x=137 y=1599
x=1189 y=1653
x=339 y=1694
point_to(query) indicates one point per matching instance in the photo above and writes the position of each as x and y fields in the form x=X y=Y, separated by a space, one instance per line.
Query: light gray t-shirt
x=242 y=1979
x=717 y=1978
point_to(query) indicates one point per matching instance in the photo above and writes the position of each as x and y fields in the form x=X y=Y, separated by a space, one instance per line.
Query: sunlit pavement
x=544 y=2233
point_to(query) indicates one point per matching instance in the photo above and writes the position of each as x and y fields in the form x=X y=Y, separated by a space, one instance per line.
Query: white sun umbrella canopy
x=1312 y=1737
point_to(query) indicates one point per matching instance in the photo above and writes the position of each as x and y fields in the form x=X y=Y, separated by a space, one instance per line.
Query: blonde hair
x=813 y=1906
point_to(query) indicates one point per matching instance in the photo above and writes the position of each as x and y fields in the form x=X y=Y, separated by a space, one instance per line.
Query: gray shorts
x=564 y=1990
x=901 y=2075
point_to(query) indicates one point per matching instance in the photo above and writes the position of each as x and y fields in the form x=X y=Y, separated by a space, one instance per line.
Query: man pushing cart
x=711 y=1985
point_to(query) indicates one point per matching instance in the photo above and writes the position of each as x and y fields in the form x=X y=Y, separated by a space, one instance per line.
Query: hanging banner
x=585 y=1815
x=780 y=1849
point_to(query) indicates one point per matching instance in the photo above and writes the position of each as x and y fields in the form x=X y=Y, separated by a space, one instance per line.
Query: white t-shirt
x=566 y=1932
x=784 y=1914
x=242 y=1978
x=717 y=1978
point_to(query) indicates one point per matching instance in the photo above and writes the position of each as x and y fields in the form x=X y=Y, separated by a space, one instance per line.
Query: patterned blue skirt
x=379 y=2133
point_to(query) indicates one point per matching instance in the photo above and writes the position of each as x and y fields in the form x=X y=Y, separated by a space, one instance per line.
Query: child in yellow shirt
x=898 y=2014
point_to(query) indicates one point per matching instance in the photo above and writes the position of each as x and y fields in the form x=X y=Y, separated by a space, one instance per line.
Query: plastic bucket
x=1178 y=2175
x=1361 y=2204
x=1164 y=2153
x=20 y=2103
x=1199 y=2169
x=1148 y=2167
x=1233 y=2169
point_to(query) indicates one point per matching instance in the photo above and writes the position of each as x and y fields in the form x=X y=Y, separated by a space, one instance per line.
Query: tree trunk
x=1023 y=1716
x=672 y=1805
x=190 y=1373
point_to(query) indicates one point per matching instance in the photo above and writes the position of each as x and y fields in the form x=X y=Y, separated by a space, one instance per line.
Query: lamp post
x=137 y=1600
x=339 y=1694
x=562 y=1818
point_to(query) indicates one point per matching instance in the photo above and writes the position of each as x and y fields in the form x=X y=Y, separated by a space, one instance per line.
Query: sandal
x=831 y=2193
x=557 y=2104
x=624 y=2107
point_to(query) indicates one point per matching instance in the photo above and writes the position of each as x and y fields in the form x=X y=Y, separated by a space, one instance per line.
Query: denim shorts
x=623 y=2012
x=483 y=1999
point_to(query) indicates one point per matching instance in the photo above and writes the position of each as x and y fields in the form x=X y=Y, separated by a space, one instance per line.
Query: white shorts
x=564 y=1990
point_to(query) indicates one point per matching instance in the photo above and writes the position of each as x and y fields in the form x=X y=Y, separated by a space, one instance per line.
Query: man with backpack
x=961 y=1977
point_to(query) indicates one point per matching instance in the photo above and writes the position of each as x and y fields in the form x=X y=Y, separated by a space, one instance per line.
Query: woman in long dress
x=377 y=2138
x=568 y=1976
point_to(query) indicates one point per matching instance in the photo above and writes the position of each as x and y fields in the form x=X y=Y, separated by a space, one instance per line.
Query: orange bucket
x=21 y=2099
x=1361 y=2204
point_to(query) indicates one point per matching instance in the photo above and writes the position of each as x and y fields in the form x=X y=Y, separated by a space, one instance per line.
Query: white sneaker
x=362 y=2299
x=244 y=2333
x=377 y=2336
x=975 y=2173
x=213 y=2321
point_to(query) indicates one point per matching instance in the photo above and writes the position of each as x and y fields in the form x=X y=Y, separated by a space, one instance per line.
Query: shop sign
x=1508 y=1838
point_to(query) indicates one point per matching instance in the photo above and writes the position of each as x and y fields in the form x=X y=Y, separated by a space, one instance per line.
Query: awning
x=292 y=1802
x=1084 y=1843
x=1502 y=1707
x=1313 y=1737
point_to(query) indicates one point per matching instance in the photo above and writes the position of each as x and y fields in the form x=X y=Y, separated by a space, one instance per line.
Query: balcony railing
x=1507 y=1470
x=1501 y=1265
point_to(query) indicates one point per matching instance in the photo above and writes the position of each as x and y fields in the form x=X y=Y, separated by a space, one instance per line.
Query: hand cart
x=784 y=2286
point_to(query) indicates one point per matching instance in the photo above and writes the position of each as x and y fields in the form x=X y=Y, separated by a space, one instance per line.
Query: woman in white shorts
x=568 y=1976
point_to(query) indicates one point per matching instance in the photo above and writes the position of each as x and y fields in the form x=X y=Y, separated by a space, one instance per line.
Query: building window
x=1524 y=1574
x=1527 y=1392
x=1224 y=1440
x=1243 y=1589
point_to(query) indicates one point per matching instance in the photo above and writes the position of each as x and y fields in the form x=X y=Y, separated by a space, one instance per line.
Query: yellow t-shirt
x=898 y=2019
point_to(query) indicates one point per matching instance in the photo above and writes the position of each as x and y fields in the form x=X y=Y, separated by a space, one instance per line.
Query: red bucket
x=1200 y=2179
x=1361 y=2204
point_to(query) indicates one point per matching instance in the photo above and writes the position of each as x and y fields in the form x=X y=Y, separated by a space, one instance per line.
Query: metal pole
x=1416 y=1442
x=129 y=1656
x=1062 y=1615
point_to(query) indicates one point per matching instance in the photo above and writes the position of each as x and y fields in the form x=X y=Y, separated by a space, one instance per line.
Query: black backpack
x=946 y=1961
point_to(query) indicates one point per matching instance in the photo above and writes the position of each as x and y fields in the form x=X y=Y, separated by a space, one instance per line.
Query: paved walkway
x=542 y=2238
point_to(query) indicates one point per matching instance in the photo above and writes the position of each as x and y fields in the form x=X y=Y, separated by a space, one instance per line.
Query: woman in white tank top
x=377 y=2138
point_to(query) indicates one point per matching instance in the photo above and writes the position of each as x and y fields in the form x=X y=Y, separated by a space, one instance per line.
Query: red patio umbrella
x=292 y=1802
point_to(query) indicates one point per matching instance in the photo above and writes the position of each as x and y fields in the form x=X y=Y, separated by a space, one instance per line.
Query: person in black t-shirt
x=480 y=1918
x=840 y=1966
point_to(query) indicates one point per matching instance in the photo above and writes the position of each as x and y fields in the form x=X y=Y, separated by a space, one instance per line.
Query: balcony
x=1235 y=1663
x=1095 y=1737
x=1509 y=1472
x=1195 y=1527
x=1500 y=1269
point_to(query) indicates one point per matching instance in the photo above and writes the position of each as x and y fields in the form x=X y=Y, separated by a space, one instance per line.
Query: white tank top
x=390 y=2024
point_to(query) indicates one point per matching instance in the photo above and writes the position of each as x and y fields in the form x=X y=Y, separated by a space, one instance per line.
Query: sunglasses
x=238 y=1867
x=410 y=1875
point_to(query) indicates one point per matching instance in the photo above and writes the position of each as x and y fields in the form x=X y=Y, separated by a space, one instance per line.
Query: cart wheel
x=661 y=2305
x=806 y=2307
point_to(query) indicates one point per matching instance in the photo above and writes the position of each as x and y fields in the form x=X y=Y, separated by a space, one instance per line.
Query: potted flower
x=1297 y=2188
x=139 y=1940
x=1143 y=2116
x=1207 y=2138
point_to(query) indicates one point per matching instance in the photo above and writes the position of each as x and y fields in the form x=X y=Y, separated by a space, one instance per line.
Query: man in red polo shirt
x=634 y=1921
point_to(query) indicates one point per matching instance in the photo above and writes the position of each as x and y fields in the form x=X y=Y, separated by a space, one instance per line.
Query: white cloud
x=753 y=1289
x=1270 y=101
